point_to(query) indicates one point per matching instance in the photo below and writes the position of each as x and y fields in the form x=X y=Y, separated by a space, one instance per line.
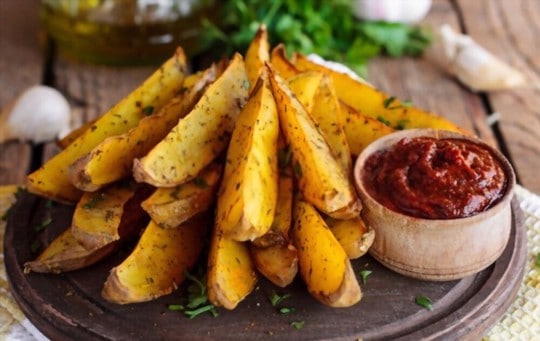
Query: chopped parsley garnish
x=276 y=299
x=93 y=201
x=424 y=301
x=364 y=275
x=46 y=221
x=200 y=182
x=297 y=324
x=284 y=157
x=383 y=120
x=197 y=299
x=538 y=260
x=388 y=101
x=149 y=110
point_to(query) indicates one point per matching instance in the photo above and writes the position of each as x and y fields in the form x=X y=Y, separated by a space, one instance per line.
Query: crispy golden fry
x=112 y=159
x=353 y=235
x=170 y=207
x=279 y=231
x=231 y=272
x=201 y=136
x=65 y=254
x=257 y=54
x=280 y=63
x=249 y=190
x=327 y=113
x=360 y=129
x=377 y=104
x=278 y=263
x=324 y=265
x=321 y=179
x=74 y=134
x=105 y=216
x=52 y=181
x=304 y=86
x=158 y=263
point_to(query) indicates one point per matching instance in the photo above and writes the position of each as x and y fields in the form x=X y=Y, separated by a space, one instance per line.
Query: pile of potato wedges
x=250 y=159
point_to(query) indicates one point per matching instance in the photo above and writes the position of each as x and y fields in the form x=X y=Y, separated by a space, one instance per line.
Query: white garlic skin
x=401 y=11
x=39 y=114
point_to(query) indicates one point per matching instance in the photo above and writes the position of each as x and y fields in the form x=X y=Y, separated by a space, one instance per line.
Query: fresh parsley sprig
x=327 y=28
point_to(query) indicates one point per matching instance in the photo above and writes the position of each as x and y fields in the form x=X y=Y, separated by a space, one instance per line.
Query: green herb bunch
x=327 y=28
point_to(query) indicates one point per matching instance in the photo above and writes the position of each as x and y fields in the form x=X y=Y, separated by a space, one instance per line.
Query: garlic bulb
x=402 y=11
x=471 y=63
x=39 y=114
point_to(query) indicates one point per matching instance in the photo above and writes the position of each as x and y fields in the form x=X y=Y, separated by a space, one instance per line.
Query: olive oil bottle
x=125 y=32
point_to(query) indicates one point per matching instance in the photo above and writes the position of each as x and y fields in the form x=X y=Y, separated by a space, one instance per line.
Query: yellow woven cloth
x=521 y=321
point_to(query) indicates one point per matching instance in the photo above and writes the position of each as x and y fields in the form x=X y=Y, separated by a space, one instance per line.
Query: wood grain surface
x=69 y=306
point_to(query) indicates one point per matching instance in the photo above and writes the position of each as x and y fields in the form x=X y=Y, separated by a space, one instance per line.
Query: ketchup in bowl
x=432 y=178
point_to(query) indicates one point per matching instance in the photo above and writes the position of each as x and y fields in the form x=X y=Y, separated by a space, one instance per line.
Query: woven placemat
x=520 y=322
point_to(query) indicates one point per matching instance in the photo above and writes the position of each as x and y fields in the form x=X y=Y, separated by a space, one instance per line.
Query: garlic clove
x=39 y=114
x=472 y=64
x=402 y=11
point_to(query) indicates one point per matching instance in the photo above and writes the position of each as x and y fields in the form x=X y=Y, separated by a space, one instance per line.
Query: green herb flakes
x=276 y=299
x=197 y=299
x=297 y=324
x=364 y=274
x=148 y=110
x=424 y=301
x=388 y=101
x=537 y=263
x=200 y=182
x=383 y=120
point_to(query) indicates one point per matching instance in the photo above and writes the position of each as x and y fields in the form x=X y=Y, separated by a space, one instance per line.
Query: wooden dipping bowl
x=435 y=249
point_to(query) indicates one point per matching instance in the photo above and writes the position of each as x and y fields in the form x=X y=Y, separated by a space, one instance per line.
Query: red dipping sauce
x=433 y=178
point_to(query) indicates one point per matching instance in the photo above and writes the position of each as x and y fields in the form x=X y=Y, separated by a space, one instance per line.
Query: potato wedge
x=257 y=54
x=249 y=190
x=354 y=236
x=321 y=179
x=105 y=216
x=375 y=103
x=278 y=235
x=280 y=63
x=231 y=272
x=360 y=129
x=65 y=254
x=51 y=180
x=112 y=159
x=324 y=265
x=170 y=207
x=74 y=134
x=278 y=263
x=199 y=137
x=158 y=263
x=304 y=86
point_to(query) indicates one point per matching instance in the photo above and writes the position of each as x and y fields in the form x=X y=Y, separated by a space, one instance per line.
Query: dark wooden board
x=69 y=306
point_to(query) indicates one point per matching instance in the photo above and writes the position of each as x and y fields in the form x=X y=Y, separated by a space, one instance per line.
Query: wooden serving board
x=69 y=306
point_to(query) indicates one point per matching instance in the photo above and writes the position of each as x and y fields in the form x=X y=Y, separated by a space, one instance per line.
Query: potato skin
x=353 y=235
x=52 y=181
x=108 y=215
x=321 y=179
x=324 y=265
x=374 y=103
x=231 y=272
x=201 y=135
x=170 y=207
x=112 y=159
x=158 y=263
x=248 y=194
x=65 y=254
